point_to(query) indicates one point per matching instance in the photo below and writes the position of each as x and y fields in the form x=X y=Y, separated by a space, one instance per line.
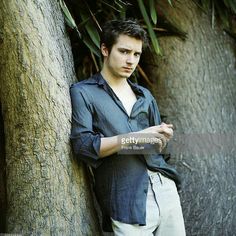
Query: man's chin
x=126 y=75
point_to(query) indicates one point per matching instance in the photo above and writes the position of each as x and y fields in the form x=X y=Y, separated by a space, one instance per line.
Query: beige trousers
x=163 y=211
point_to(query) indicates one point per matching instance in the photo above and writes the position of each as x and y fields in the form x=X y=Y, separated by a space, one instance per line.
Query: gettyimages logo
x=139 y=144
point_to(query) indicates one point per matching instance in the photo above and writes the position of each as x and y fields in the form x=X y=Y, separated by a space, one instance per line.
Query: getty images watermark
x=139 y=144
x=194 y=143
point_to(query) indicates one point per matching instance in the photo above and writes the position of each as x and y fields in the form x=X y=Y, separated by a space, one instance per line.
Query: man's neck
x=113 y=81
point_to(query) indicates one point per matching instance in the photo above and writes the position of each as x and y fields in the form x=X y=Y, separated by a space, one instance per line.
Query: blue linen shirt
x=121 y=181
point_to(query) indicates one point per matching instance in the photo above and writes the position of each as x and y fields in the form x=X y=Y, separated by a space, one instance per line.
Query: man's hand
x=167 y=130
x=163 y=132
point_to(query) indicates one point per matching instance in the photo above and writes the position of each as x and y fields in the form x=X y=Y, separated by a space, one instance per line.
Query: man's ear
x=104 y=50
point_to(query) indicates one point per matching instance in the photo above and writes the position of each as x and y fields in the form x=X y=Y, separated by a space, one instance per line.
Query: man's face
x=124 y=56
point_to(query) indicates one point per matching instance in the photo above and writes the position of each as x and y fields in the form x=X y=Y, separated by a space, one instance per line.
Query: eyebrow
x=128 y=49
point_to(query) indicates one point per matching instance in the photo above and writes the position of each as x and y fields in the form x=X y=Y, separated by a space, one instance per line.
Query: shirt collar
x=98 y=79
x=136 y=88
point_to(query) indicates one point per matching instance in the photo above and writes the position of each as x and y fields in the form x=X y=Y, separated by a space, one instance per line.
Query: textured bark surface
x=46 y=189
x=195 y=85
x=3 y=203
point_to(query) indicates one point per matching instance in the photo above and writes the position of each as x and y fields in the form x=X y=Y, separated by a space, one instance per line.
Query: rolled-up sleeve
x=85 y=142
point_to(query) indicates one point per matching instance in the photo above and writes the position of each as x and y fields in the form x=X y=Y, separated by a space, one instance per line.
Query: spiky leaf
x=151 y=32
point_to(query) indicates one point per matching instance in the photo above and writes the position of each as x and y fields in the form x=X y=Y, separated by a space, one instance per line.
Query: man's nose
x=130 y=59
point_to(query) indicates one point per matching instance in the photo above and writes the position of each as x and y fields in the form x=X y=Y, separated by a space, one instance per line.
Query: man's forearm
x=109 y=146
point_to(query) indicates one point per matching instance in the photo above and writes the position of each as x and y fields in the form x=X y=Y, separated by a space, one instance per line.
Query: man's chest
x=128 y=102
x=113 y=115
x=127 y=98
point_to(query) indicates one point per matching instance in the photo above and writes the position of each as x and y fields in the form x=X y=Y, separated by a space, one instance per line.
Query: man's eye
x=137 y=54
x=123 y=51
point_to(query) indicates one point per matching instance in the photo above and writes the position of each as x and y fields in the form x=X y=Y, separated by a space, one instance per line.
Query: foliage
x=84 y=18
x=224 y=10
x=89 y=15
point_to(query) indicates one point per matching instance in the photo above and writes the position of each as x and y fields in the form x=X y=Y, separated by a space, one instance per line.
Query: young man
x=137 y=192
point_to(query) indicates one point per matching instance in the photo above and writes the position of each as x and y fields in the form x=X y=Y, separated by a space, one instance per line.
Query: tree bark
x=194 y=83
x=3 y=203
x=47 y=192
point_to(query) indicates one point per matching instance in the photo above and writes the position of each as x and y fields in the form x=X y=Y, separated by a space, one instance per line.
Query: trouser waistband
x=155 y=177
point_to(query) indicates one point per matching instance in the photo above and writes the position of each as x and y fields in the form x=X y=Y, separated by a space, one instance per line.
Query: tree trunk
x=3 y=202
x=195 y=85
x=47 y=192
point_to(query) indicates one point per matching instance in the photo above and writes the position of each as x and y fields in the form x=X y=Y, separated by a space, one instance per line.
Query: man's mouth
x=128 y=68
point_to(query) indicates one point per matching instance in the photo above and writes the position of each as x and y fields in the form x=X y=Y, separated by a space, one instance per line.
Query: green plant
x=223 y=10
x=84 y=18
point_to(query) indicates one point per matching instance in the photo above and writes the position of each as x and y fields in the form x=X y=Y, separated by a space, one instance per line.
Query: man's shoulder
x=84 y=83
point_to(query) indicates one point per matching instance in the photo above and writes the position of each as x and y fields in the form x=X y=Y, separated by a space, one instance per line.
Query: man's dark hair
x=111 y=30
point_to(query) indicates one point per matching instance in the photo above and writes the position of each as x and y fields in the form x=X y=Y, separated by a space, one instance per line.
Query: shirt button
x=145 y=190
